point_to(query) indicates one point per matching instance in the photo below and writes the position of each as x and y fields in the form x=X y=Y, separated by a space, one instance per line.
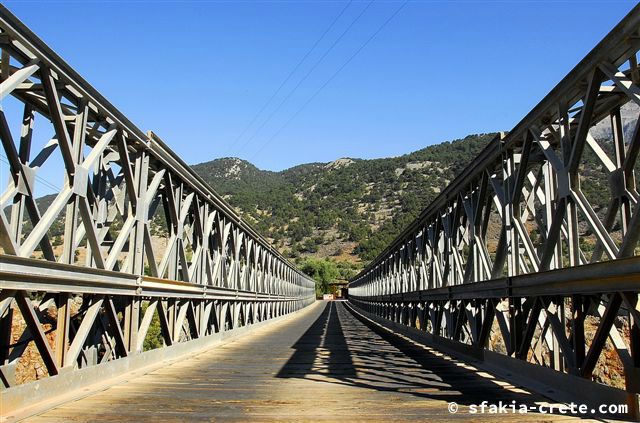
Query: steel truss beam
x=514 y=255
x=144 y=238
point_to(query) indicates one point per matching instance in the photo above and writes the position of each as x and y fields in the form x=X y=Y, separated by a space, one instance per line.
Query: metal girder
x=132 y=235
x=514 y=255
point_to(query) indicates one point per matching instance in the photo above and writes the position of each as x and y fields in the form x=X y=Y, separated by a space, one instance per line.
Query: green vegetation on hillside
x=324 y=271
x=347 y=206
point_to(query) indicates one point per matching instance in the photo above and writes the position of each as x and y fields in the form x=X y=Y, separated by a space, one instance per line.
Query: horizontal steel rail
x=515 y=254
x=133 y=237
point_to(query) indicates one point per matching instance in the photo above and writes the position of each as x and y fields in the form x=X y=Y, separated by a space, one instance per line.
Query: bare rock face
x=339 y=163
x=629 y=113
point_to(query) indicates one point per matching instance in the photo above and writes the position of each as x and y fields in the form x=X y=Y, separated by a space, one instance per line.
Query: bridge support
x=556 y=385
x=524 y=261
x=134 y=259
x=35 y=397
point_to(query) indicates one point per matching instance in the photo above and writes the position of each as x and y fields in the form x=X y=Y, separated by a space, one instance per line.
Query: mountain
x=629 y=115
x=349 y=208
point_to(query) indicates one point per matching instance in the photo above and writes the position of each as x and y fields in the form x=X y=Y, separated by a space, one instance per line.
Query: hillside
x=349 y=208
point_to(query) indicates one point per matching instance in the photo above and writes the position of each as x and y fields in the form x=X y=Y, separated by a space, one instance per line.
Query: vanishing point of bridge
x=512 y=287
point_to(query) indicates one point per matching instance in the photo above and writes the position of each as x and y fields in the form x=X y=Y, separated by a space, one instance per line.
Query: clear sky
x=199 y=72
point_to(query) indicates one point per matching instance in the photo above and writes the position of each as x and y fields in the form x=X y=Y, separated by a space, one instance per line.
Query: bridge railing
x=532 y=251
x=134 y=251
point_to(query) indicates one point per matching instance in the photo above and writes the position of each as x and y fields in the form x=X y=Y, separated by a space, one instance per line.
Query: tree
x=322 y=271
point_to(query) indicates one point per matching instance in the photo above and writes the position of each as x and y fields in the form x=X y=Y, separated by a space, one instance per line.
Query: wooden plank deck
x=323 y=364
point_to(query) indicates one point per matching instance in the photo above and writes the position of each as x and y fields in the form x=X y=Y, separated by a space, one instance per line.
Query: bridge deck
x=322 y=364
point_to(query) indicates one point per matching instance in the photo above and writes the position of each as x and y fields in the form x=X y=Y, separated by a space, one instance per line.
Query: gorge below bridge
x=507 y=292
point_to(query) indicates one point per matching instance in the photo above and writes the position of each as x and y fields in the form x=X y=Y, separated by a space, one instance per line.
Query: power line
x=295 y=68
x=331 y=78
x=307 y=74
x=44 y=182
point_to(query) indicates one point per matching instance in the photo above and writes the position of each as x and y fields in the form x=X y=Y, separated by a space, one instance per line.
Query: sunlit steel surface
x=514 y=254
x=142 y=237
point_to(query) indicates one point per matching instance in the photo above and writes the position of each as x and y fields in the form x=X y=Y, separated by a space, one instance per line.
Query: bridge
x=512 y=287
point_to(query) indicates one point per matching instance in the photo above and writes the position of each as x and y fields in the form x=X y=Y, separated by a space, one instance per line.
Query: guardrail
x=134 y=241
x=516 y=255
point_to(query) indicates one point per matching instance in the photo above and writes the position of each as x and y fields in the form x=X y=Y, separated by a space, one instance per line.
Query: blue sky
x=197 y=73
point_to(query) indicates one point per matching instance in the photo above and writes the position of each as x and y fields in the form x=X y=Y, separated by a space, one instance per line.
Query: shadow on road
x=322 y=349
x=343 y=348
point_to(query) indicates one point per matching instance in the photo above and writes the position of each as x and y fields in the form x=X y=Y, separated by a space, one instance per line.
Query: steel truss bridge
x=504 y=269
